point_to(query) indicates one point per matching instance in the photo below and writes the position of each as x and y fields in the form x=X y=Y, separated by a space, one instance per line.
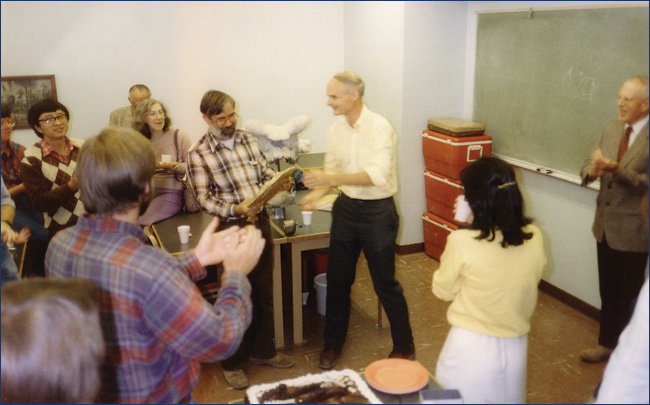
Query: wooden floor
x=555 y=372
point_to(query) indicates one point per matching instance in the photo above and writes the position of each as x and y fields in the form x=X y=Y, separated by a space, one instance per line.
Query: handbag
x=189 y=196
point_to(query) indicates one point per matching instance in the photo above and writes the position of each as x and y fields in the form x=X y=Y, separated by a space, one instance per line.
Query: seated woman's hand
x=11 y=236
x=166 y=167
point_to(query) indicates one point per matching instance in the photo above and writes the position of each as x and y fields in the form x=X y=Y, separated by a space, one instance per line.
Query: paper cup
x=463 y=210
x=184 y=233
x=306 y=217
x=165 y=158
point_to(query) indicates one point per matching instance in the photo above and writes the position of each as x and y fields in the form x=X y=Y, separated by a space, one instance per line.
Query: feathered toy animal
x=281 y=142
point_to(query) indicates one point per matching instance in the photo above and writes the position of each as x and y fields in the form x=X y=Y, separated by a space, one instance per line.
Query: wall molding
x=408 y=249
x=570 y=300
x=555 y=292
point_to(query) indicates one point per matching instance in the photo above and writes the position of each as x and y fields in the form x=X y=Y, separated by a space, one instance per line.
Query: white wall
x=564 y=211
x=374 y=48
x=434 y=57
x=274 y=58
x=411 y=56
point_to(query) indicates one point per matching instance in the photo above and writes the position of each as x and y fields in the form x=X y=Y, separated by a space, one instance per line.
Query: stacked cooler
x=448 y=145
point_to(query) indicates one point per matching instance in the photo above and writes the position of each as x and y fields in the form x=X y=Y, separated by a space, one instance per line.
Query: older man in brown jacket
x=620 y=160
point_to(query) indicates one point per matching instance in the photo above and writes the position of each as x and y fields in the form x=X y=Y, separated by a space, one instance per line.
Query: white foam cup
x=184 y=233
x=306 y=217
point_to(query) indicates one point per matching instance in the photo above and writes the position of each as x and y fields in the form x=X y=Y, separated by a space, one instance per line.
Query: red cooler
x=441 y=192
x=449 y=155
x=436 y=231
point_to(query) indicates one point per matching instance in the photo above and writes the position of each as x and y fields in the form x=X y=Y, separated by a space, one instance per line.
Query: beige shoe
x=236 y=379
x=596 y=355
x=279 y=361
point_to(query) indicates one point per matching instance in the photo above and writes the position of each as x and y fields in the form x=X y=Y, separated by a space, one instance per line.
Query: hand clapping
x=11 y=236
x=239 y=249
x=601 y=165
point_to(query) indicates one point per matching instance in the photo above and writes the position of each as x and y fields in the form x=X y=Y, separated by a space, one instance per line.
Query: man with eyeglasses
x=48 y=167
x=227 y=170
x=123 y=116
x=620 y=160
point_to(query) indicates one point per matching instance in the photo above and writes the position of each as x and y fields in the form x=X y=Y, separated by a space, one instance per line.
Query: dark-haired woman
x=152 y=120
x=490 y=272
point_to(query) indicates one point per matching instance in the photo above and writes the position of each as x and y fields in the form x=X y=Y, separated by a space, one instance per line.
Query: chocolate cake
x=332 y=387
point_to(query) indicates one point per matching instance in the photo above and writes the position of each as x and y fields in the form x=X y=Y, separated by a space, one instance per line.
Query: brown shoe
x=596 y=355
x=236 y=379
x=408 y=354
x=279 y=361
x=329 y=356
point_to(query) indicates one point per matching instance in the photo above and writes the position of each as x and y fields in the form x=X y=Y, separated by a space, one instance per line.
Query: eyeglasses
x=8 y=121
x=155 y=114
x=232 y=118
x=49 y=120
x=627 y=99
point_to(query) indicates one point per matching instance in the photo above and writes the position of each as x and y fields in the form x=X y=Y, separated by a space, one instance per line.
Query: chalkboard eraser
x=549 y=171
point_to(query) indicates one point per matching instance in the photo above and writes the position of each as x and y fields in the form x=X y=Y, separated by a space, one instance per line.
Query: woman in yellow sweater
x=490 y=272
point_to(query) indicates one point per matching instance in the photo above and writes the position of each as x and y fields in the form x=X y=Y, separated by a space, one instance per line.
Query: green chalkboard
x=547 y=81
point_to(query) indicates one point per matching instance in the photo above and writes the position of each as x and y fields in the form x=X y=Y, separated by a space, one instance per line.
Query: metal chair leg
x=379 y=317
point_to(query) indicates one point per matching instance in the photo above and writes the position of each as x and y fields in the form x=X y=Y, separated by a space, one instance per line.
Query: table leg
x=296 y=280
x=278 y=313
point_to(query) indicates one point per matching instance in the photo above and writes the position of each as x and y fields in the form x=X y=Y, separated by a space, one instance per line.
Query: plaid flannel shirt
x=222 y=177
x=156 y=324
x=11 y=164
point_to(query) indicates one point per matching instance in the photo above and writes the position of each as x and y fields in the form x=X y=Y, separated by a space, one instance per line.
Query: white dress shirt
x=636 y=129
x=367 y=146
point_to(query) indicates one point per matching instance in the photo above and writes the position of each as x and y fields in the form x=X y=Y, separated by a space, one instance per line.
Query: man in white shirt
x=360 y=159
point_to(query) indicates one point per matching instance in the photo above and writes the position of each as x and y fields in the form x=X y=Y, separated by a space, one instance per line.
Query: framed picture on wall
x=22 y=92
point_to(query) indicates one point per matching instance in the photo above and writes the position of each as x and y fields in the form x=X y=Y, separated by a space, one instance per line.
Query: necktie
x=625 y=140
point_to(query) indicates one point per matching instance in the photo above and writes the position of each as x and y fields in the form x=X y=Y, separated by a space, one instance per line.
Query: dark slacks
x=621 y=276
x=28 y=217
x=370 y=225
x=258 y=339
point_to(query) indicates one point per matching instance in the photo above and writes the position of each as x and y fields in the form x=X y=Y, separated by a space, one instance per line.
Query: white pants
x=485 y=369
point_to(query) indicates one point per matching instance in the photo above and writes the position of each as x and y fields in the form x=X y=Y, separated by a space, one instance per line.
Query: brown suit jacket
x=618 y=206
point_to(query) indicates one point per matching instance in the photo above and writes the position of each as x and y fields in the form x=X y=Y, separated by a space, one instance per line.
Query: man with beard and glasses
x=157 y=326
x=227 y=170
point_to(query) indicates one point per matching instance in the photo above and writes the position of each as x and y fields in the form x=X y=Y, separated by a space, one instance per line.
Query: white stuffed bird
x=281 y=141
